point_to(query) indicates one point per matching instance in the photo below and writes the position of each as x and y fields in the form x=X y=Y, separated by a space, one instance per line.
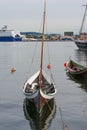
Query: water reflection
x=80 y=80
x=81 y=56
x=39 y=120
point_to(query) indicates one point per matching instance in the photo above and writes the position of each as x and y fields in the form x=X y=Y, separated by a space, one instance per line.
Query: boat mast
x=41 y=64
x=83 y=19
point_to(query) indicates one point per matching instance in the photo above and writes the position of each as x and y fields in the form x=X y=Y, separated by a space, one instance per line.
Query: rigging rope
x=50 y=63
x=49 y=56
x=32 y=60
x=83 y=20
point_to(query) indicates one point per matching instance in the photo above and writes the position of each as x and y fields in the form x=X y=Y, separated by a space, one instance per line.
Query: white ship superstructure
x=9 y=35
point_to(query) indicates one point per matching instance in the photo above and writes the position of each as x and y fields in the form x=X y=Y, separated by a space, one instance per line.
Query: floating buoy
x=65 y=64
x=49 y=66
x=13 y=70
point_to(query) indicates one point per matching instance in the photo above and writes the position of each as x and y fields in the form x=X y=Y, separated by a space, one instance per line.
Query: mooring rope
x=64 y=127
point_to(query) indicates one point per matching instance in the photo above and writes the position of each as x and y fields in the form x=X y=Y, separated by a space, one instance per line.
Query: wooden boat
x=76 y=69
x=40 y=88
x=42 y=120
x=81 y=40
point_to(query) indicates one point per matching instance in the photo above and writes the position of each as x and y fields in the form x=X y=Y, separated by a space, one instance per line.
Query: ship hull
x=10 y=39
x=82 y=45
x=9 y=35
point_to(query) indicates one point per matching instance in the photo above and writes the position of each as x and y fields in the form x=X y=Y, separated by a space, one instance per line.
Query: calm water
x=71 y=96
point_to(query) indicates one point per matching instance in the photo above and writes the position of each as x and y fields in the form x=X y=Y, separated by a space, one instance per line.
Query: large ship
x=9 y=35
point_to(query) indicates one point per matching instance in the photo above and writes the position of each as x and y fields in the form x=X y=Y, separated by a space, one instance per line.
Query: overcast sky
x=26 y=15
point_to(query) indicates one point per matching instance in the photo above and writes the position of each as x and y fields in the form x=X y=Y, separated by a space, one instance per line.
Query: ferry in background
x=9 y=35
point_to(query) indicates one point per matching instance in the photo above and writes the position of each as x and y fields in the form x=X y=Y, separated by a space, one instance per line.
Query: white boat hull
x=47 y=96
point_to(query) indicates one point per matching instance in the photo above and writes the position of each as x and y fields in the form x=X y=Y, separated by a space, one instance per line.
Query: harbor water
x=71 y=97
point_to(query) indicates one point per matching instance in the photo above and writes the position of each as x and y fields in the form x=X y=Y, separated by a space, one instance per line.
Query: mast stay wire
x=33 y=56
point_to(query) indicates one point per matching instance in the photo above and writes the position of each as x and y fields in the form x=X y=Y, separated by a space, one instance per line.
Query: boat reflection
x=39 y=120
x=79 y=80
x=81 y=56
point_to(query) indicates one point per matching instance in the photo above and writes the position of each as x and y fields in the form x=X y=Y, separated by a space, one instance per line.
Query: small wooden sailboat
x=40 y=87
x=76 y=69
x=42 y=120
x=81 y=40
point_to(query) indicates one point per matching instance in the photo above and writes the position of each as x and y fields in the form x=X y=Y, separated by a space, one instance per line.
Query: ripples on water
x=71 y=96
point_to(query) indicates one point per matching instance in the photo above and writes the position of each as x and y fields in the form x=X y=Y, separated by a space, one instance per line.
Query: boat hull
x=82 y=45
x=76 y=69
x=38 y=100
x=79 y=73
x=31 y=96
x=10 y=39
x=39 y=94
x=9 y=35
x=47 y=96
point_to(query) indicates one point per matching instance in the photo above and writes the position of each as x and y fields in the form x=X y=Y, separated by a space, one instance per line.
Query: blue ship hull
x=10 y=39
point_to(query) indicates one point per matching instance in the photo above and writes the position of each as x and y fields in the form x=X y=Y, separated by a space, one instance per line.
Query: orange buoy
x=49 y=66
x=13 y=70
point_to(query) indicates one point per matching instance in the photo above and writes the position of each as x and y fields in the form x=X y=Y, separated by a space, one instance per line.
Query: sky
x=26 y=15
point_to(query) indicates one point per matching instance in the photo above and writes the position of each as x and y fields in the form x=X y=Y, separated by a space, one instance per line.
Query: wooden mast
x=83 y=19
x=41 y=63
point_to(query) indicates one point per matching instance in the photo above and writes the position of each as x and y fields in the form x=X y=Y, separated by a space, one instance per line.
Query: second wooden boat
x=76 y=69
